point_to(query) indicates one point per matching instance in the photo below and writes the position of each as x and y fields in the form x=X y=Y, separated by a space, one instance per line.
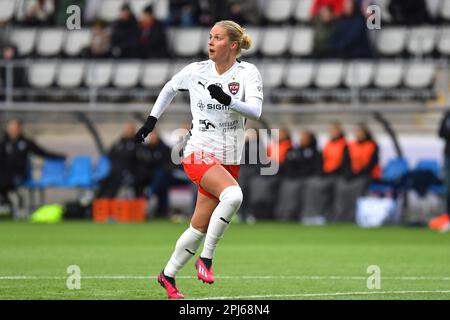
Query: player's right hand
x=143 y=132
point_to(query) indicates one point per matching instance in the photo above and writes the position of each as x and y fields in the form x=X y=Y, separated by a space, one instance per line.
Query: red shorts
x=197 y=163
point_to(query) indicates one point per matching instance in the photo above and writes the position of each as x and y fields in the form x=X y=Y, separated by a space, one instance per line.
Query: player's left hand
x=217 y=93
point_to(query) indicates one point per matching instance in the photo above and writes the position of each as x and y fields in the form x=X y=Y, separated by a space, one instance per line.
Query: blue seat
x=429 y=164
x=53 y=174
x=394 y=170
x=79 y=174
x=433 y=166
x=102 y=168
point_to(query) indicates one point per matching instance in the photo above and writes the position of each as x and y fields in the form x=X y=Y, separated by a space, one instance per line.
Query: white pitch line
x=325 y=294
x=262 y=277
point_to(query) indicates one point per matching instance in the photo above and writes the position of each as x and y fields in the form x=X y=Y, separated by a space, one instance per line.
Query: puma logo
x=201 y=84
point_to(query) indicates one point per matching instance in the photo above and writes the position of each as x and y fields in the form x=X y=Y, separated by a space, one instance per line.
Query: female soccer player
x=224 y=91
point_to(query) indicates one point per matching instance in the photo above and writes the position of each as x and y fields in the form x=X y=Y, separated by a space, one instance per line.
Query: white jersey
x=217 y=129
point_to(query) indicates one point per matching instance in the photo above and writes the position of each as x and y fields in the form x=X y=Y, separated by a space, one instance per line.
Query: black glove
x=218 y=94
x=145 y=130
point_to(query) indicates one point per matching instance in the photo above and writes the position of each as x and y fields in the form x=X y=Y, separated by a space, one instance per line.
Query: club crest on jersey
x=233 y=87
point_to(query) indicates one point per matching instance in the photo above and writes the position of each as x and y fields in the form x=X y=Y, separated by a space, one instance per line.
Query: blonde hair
x=236 y=33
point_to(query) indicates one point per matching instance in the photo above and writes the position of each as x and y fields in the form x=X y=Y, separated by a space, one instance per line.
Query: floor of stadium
x=268 y=260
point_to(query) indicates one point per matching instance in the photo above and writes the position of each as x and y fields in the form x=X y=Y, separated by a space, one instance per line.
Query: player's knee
x=232 y=195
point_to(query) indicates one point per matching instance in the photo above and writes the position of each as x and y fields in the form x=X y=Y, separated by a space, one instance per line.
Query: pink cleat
x=203 y=273
x=172 y=291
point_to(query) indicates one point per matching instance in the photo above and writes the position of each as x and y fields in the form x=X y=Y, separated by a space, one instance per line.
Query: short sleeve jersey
x=217 y=129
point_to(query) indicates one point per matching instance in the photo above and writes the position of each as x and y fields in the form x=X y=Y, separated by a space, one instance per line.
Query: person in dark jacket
x=125 y=34
x=154 y=172
x=300 y=165
x=15 y=152
x=349 y=39
x=122 y=155
x=320 y=199
x=364 y=167
x=444 y=133
x=152 y=36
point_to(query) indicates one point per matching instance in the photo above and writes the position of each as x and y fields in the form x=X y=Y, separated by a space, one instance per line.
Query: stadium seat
x=50 y=42
x=187 y=42
x=272 y=73
x=329 y=75
x=445 y=10
x=79 y=173
x=421 y=41
x=109 y=10
x=98 y=74
x=395 y=169
x=429 y=164
x=53 y=174
x=302 y=42
x=76 y=41
x=388 y=75
x=127 y=74
x=42 y=74
x=302 y=12
x=70 y=74
x=154 y=74
x=278 y=10
x=419 y=75
x=299 y=75
x=255 y=34
x=275 y=41
x=391 y=40
x=443 y=45
x=6 y=10
x=359 y=75
x=101 y=168
x=24 y=40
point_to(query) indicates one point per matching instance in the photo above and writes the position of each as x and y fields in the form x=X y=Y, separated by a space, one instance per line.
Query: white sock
x=185 y=249
x=230 y=201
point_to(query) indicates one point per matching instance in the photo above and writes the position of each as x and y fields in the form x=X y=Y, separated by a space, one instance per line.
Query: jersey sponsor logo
x=217 y=106
x=207 y=125
x=200 y=105
x=233 y=87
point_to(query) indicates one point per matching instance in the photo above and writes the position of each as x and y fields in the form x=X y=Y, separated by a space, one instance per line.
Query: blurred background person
x=244 y=12
x=320 y=198
x=122 y=156
x=15 y=152
x=39 y=12
x=301 y=164
x=100 y=43
x=364 y=168
x=444 y=133
x=409 y=12
x=125 y=34
x=183 y=13
x=152 y=36
x=323 y=25
x=349 y=39
x=263 y=188
x=336 y=6
x=154 y=172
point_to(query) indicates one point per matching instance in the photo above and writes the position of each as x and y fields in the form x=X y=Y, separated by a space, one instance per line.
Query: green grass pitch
x=261 y=261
